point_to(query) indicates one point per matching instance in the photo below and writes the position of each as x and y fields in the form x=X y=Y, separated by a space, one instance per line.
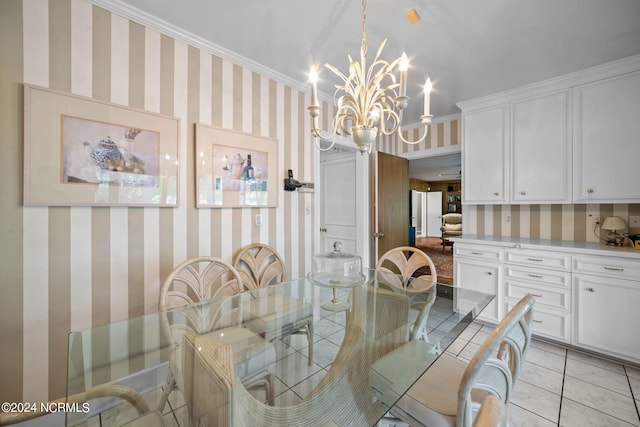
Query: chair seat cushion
x=273 y=314
x=433 y=399
x=251 y=352
x=394 y=372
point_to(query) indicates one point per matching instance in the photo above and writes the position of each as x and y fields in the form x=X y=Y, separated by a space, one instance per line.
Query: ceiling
x=469 y=48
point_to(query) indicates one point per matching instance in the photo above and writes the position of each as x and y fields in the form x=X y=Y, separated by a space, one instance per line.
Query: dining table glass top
x=370 y=342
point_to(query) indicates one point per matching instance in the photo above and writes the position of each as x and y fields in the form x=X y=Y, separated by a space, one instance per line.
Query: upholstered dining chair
x=210 y=278
x=273 y=316
x=405 y=267
x=451 y=391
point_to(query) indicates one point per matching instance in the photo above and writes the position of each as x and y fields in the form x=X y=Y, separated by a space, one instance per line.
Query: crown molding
x=562 y=82
x=143 y=18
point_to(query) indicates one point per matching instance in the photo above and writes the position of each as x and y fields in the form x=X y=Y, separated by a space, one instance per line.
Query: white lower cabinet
x=484 y=276
x=608 y=315
x=583 y=298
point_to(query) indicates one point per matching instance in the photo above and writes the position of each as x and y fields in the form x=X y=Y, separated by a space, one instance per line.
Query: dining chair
x=273 y=316
x=209 y=278
x=405 y=267
x=407 y=261
x=451 y=391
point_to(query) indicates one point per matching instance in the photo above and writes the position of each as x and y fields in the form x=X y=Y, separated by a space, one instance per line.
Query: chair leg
x=168 y=388
x=271 y=398
x=310 y=339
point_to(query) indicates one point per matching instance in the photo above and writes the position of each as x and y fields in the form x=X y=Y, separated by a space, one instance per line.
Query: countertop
x=587 y=248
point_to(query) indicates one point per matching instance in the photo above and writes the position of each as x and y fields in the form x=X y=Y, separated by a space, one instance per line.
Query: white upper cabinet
x=571 y=139
x=485 y=154
x=606 y=120
x=541 y=149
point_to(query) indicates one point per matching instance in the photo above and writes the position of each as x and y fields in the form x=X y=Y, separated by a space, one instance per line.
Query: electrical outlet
x=634 y=221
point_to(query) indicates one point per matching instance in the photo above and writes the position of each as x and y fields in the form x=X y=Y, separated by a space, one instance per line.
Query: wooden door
x=392 y=208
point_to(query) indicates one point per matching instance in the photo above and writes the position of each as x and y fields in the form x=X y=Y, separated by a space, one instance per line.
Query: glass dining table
x=367 y=353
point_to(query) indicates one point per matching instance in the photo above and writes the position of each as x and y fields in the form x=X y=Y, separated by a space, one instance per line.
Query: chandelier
x=369 y=101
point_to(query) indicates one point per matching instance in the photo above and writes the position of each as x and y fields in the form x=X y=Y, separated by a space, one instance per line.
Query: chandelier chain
x=364 y=26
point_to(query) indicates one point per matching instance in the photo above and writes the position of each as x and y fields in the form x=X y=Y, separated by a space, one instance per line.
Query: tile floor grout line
x=564 y=375
x=633 y=397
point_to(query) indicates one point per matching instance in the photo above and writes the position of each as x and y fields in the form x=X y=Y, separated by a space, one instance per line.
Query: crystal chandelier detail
x=369 y=100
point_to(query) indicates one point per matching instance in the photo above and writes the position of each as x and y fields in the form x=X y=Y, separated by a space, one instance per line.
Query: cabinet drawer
x=546 y=296
x=538 y=258
x=479 y=252
x=548 y=323
x=538 y=275
x=607 y=266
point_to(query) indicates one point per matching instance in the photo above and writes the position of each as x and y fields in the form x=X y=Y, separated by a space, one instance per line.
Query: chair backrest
x=451 y=218
x=492 y=413
x=259 y=265
x=199 y=279
x=406 y=261
x=495 y=367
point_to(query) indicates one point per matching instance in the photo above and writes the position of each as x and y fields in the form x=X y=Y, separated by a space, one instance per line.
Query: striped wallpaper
x=69 y=268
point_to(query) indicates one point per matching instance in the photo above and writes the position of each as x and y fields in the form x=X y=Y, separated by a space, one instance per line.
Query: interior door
x=434 y=213
x=418 y=203
x=391 y=223
x=338 y=208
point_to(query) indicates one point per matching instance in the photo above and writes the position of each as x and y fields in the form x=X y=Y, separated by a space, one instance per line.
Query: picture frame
x=81 y=151
x=235 y=169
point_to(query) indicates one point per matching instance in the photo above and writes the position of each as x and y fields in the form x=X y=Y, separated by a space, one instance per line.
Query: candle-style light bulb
x=403 y=66
x=427 y=96
x=313 y=78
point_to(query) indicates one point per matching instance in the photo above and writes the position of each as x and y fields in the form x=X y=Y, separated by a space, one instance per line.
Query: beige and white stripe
x=87 y=266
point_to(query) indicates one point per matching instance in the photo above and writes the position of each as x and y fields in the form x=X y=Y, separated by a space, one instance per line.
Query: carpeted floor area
x=443 y=261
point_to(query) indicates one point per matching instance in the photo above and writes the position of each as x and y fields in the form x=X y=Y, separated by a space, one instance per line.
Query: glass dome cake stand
x=337 y=270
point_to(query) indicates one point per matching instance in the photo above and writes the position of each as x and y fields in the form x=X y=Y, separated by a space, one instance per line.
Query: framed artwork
x=85 y=152
x=235 y=169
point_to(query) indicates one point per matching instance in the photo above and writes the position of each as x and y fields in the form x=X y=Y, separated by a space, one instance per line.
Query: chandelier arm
x=419 y=140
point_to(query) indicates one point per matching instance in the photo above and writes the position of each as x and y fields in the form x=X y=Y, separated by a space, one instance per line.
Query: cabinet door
x=541 y=150
x=606 y=117
x=485 y=155
x=607 y=315
x=481 y=276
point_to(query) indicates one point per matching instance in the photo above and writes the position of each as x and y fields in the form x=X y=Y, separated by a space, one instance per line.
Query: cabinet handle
x=589 y=190
x=489 y=273
x=590 y=290
x=537 y=276
x=496 y=194
x=523 y=193
x=477 y=253
x=535 y=259
x=614 y=268
x=536 y=295
x=537 y=321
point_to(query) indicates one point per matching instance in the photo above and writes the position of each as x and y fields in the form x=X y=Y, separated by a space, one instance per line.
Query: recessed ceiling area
x=437 y=168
